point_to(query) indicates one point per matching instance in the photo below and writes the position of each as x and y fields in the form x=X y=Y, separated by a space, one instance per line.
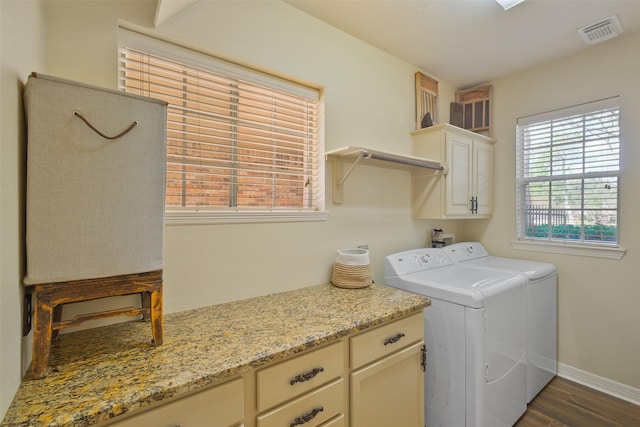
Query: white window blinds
x=568 y=163
x=237 y=139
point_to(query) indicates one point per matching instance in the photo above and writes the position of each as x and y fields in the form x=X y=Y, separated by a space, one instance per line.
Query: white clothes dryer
x=541 y=307
x=474 y=335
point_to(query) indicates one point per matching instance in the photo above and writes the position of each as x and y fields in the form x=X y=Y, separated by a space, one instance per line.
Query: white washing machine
x=541 y=307
x=474 y=334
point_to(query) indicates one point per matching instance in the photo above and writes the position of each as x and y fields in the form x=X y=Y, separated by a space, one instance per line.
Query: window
x=240 y=143
x=568 y=164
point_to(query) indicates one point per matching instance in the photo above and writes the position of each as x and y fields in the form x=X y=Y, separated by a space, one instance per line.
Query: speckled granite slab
x=100 y=373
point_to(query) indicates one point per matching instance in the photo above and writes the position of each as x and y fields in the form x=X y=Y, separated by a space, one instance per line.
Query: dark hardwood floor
x=563 y=403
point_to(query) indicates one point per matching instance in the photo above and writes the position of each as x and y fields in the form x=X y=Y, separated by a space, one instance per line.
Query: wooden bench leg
x=145 y=299
x=43 y=318
x=57 y=316
x=156 y=316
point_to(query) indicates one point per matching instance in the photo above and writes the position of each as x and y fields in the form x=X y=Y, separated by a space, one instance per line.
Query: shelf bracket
x=355 y=163
x=339 y=178
x=338 y=181
x=357 y=154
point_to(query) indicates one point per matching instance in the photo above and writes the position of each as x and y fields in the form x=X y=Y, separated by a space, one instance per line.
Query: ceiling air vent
x=601 y=31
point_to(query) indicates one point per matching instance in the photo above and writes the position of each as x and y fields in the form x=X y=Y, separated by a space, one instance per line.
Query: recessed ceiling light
x=508 y=4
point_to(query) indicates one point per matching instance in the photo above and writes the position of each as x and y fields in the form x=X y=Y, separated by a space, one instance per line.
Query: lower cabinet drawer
x=296 y=376
x=220 y=406
x=309 y=410
x=339 y=421
x=386 y=339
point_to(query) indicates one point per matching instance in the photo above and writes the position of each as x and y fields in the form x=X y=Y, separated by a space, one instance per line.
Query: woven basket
x=351 y=269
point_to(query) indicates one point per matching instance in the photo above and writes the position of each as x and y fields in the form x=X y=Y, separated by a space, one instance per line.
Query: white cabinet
x=387 y=378
x=465 y=189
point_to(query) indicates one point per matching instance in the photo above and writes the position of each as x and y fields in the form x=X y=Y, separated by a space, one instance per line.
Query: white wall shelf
x=356 y=155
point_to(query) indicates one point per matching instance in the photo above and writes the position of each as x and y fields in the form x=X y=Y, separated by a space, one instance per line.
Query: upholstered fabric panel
x=95 y=207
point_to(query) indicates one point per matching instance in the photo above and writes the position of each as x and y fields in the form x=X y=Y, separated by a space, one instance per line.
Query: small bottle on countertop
x=437 y=239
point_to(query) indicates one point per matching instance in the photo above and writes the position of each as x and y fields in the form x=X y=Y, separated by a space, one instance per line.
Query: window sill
x=201 y=217
x=594 y=251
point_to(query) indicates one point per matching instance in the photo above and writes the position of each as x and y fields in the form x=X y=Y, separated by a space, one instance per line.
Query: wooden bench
x=50 y=298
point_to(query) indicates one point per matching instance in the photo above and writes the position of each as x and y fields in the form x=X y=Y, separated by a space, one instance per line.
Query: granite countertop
x=99 y=373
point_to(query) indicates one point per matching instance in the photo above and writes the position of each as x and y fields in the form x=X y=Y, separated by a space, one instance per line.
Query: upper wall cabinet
x=466 y=189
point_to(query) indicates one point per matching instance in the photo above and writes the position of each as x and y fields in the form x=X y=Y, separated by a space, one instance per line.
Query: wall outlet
x=27 y=314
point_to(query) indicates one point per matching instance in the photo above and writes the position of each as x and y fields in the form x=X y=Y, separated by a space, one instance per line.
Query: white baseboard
x=621 y=391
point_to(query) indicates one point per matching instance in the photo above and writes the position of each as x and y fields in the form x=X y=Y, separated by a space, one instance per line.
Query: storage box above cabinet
x=466 y=190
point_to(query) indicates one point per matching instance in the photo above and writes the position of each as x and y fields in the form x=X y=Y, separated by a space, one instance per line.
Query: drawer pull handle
x=394 y=339
x=303 y=419
x=306 y=376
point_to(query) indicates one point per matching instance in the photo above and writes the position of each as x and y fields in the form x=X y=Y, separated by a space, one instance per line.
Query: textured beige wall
x=369 y=101
x=20 y=53
x=598 y=298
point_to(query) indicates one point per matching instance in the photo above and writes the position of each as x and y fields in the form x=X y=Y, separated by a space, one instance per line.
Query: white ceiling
x=464 y=42
x=470 y=42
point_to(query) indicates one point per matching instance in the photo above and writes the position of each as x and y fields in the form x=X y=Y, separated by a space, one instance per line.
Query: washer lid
x=458 y=284
x=534 y=270
x=473 y=254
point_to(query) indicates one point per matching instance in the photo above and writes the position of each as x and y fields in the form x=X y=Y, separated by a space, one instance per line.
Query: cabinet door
x=389 y=392
x=482 y=177
x=458 y=180
x=221 y=406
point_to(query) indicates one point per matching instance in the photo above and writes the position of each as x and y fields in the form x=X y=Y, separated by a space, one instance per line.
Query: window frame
x=581 y=247
x=141 y=40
